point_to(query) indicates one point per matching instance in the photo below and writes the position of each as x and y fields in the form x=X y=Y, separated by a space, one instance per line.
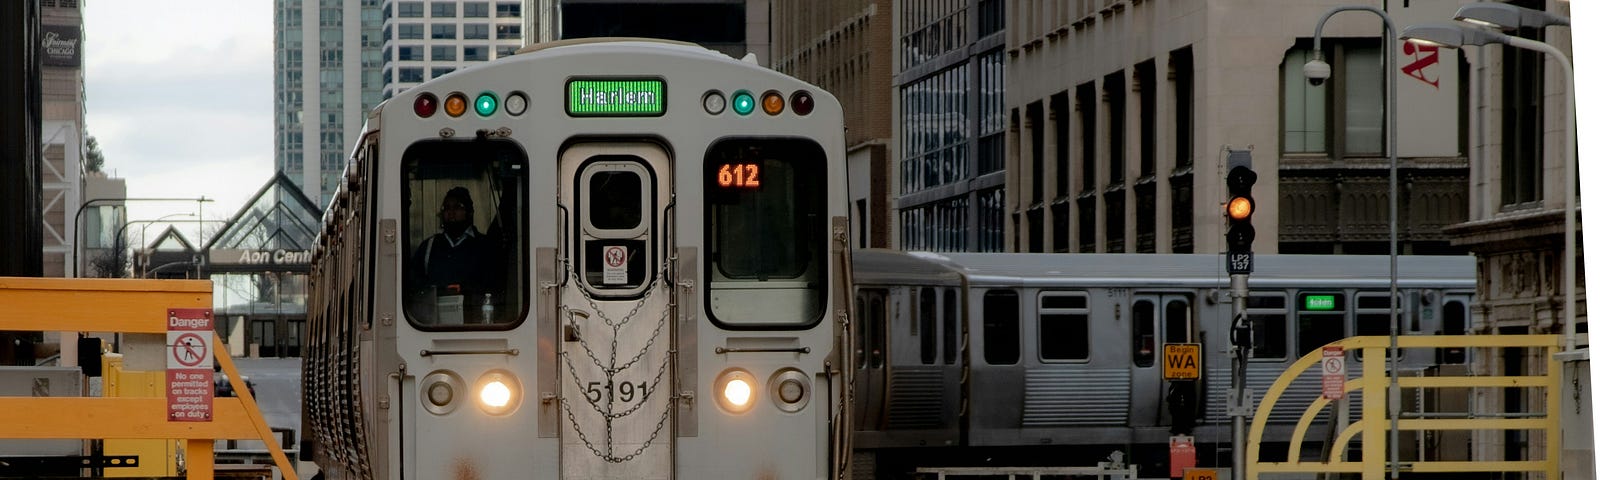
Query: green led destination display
x=616 y=98
x=1319 y=302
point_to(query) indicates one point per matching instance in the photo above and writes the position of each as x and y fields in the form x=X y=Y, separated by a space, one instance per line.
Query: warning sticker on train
x=616 y=270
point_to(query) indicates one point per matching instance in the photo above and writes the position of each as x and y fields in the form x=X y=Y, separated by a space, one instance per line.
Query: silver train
x=1055 y=359
x=653 y=284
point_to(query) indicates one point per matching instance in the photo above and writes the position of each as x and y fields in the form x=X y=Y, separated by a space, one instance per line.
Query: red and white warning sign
x=616 y=270
x=189 y=389
x=1333 y=373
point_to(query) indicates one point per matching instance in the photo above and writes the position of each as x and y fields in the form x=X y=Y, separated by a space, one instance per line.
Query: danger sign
x=1180 y=361
x=616 y=270
x=189 y=374
x=1333 y=372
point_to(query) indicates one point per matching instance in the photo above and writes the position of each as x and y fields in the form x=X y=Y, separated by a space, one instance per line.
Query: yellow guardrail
x=127 y=306
x=1374 y=424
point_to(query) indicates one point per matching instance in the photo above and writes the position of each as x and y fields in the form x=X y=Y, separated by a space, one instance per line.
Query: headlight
x=736 y=390
x=440 y=391
x=791 y=390
x=498 y=392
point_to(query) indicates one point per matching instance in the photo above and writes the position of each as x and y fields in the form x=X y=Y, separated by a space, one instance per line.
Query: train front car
x=602 y=259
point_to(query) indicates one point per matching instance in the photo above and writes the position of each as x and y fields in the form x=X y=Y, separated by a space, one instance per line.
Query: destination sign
x=616 y=98
x=1319 y=302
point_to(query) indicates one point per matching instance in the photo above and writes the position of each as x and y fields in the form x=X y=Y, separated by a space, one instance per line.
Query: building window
x=410 y=53
x=1087 y=101
x=437 y=72
x=411 y=31
x=991 y=112
x=444 y=31
x=1181 y=66
x=1035 y=127
x=1116 y=94
x=1116 y=220
x=1522 y=122
x=475 y=10
x=1343 y=116
x=475 y=31
x=1086 y=237
x=991 y=220
x=444 y=53
x=508 y=31
x=444 y=9
x=1182 y=213
x=410 y=75
x=475 y=53
x=503 y=51
x=507 y=10
x=935 y=113
x=410 y=10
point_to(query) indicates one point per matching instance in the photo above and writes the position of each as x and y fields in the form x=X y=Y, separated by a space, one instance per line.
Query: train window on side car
x=1000 y=336
x=1269 y=317
x=1319 y=320
x=1064 y=326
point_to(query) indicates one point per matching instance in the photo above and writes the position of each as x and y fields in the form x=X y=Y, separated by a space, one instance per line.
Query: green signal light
x=743 y=103
x=486 y=104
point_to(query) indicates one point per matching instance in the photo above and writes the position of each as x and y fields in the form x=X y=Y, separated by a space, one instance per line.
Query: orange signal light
x=772 y=103
x=1240 y=208
x=455 y=105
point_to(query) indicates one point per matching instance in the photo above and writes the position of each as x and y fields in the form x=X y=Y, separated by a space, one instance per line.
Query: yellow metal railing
x=128 y=306
x=1374 y=424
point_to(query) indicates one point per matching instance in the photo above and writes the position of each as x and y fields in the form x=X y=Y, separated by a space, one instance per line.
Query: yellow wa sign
x=1180 y=361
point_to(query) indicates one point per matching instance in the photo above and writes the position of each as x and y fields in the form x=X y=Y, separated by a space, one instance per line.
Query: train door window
x=1372 y=317
x=1177 y=317
x=464 y=233
x=927 y=312
x=869 y=329
x=1144 y=333
x=1268 y=325
x=1454 y=322
x=950 y=318
x=1001 y=314
x=1319 y=320
x=765 y=219
x=1064 y=326
x=615 y=195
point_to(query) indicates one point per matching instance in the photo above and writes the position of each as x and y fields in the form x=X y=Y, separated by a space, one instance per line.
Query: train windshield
x=764 y=216
x=464 y=234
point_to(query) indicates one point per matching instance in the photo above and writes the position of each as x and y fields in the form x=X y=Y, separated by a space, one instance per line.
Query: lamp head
x=1316 y=70
x=1449 y=35
x=1508 y=17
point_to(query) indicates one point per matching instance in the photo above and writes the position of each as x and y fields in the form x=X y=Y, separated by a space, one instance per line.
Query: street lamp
x=1510 y=18
x=124 y=228
x=1316 y=71
x=1454 y=36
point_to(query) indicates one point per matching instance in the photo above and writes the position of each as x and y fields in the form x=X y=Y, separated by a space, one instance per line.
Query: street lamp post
x=1454 y=36
x=77 y=219
x=1317 y=70
x=124 y=228
x=1508 y=17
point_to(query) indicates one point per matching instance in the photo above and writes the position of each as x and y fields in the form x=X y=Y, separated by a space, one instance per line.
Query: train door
x=615 y=302
x=870 y=344
x=1158 y=319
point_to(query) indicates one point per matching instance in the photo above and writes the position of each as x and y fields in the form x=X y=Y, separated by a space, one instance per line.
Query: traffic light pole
x=1239 y=404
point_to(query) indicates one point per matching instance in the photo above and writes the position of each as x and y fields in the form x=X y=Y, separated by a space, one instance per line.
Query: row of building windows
x=448 y=31
x=447 y=9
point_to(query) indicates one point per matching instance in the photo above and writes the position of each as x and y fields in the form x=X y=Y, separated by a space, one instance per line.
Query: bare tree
x=112 y=263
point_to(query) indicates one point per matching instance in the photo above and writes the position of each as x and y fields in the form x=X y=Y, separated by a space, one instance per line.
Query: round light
x=486 y=104
x=455 y=104
x=425 y=105
x=802 y=103
x=714 y=102
x=737 y=391
x=772 y=103
x=440 y=394
x=790 y=390
x=743 y=103
x=1240 y=208
x=516 y=104
x=495 y=394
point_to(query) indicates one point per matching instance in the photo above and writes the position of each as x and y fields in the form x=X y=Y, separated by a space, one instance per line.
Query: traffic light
x=1240 y=204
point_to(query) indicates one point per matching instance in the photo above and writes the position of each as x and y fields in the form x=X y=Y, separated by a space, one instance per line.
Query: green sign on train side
x=1319 y=302
x=616 y=98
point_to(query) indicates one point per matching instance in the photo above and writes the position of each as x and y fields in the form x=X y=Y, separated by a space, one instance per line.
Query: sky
x=179 y=97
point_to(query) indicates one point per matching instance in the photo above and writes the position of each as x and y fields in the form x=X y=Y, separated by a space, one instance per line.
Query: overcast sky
x=180 y=99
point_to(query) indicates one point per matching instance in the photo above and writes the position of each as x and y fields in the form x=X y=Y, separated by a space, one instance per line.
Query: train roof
x=895 y=266
x=1176 y=270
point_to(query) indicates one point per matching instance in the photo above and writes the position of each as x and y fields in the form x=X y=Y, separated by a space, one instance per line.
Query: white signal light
x=736 y=390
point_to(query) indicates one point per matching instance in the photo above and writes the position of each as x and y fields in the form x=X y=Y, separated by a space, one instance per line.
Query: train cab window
x=1453 y=323
x=1064 y=326
x=1319 y=320
x=1372 y=317
x=1001 y=313
x=464 y=233
x=614 y=194
x=1268 y=325
x=766 y=233
x=951 y=317
x=927 y=312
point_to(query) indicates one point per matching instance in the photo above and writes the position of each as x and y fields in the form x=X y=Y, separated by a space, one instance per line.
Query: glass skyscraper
x=327 y=75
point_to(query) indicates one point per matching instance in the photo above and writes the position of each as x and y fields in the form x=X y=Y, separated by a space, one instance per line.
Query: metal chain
x=660 y=424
